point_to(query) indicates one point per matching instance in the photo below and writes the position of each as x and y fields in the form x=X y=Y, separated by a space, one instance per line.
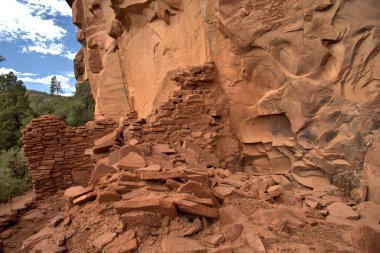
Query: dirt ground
x=91 y=220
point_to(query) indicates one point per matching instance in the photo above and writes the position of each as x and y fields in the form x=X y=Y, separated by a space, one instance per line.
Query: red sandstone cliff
x=222 y=126
x=301 y=78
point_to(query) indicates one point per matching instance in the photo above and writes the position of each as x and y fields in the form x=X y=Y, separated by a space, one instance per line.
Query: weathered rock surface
x=242 y=124
x=301 y=78
x=372 y=168
x=369 y=209
x=342 y=210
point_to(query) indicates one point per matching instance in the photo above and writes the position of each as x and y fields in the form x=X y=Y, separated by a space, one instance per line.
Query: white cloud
x=32 y=21
x=65 y=81
x=27 y=74
x=67 y=88
x=43 y=48
x=70 y=55
x=53 y=7
x=19 y=74
x=7 y=70
x=69 y=74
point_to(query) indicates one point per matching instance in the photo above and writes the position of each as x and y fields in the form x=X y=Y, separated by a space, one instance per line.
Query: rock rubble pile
x=149 y=197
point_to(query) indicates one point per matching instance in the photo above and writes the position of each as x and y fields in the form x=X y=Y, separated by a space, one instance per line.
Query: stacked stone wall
x=56 y=153
x=196 y=112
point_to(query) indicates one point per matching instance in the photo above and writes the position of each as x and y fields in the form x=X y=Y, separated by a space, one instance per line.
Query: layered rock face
x=301 y=78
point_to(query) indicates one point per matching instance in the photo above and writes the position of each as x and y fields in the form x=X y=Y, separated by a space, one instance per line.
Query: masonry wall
x=56 y=152
x=196 y=113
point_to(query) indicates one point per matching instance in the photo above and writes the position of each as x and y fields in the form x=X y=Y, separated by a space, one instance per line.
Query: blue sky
x=38 y=40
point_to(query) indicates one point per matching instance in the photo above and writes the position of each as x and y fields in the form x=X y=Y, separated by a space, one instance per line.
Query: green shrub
x=14 y=175
x=345 y=181
x=15 y=110
x=82 y=106
x=75 y=111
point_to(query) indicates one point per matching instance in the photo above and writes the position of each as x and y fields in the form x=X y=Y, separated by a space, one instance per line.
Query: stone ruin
x=55 y=152
x=164 y=176
x=194 y=114
x=221 y=126
x=300 y=78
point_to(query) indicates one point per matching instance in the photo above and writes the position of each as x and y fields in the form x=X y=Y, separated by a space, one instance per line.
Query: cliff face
x=302 y=78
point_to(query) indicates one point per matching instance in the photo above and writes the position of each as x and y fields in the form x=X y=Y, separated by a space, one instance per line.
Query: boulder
x=341 y=210
x=232 y=232
x=369 y=209
x=312 y=181
x=282 y=218
x=275 y=190
x=365 y=238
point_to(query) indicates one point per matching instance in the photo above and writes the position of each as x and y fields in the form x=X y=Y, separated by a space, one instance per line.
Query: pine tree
x=15 y=111
x=55 y=86
x=58 y=88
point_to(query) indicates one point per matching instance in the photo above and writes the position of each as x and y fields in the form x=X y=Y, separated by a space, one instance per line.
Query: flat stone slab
x=181 y=245
x=141 y=218
x=161 y=206
x=193 y=198
x=223 y=191
x=132 y=161
x=103 y=239
x=100 y=171
x=75 y=192
x=196 y=208
x=84 y=198
x=341 y=210
x=156 y=175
